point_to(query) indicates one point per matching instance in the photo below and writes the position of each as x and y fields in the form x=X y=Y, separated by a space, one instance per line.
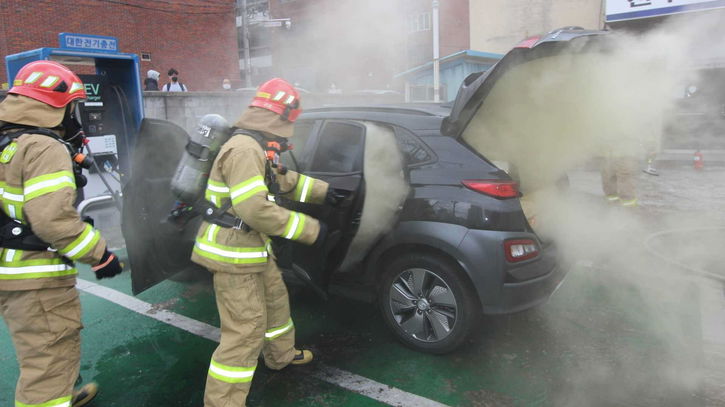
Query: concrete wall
x=186 y=108
x=498 y=25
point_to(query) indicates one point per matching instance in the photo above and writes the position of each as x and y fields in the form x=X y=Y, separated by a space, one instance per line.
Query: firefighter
x=620 y=167
x=235 y=245
x=38 y=298
x=619 y=178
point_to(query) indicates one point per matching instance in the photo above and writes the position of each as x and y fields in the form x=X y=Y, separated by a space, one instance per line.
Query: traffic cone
x=698 y=161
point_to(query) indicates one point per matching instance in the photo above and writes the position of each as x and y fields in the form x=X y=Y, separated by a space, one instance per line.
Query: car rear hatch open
x=526 y=112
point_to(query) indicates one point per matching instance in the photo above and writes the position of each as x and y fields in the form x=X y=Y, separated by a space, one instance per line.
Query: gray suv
x=431 y=230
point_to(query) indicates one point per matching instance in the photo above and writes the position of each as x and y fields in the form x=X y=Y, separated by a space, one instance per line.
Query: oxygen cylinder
x=192 y=173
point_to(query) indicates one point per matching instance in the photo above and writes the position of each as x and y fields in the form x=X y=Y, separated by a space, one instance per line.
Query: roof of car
x=413 y=116
x=427 y=109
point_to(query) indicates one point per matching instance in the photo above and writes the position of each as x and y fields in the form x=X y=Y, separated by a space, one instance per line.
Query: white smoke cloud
x=551 y=117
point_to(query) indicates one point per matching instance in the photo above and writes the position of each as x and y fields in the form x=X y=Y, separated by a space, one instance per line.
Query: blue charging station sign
x=88 y=42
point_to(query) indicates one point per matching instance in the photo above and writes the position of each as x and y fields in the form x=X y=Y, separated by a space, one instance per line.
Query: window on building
x=419 y=22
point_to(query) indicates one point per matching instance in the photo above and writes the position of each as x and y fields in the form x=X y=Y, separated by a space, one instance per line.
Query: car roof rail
x=378 y=109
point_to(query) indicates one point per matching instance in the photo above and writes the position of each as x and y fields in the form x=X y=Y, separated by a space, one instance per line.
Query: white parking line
x=712 y=311
x=370 y=388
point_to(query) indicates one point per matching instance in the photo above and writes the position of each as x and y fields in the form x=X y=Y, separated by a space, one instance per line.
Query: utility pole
x=436 y=55
x=245 y=61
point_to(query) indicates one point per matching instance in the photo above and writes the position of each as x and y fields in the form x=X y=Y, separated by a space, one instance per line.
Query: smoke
x=355 y=45
x=553 y=113
x=548 y=119
x=385 y=191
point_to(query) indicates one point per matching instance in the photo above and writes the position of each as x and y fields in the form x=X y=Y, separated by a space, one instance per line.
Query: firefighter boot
x=302 y=357
x=83 y=395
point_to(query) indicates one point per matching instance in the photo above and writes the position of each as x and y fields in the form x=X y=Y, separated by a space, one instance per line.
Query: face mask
x=226 y=86
x=73 y=130
x=174 y=79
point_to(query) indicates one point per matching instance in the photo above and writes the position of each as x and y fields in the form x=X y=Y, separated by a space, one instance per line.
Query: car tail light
x=529 y=42
x=520 y=249
x=494 y=188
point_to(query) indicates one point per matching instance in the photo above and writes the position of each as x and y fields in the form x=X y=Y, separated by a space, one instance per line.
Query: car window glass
x=299 y=139
x=414 y=151
x=340 y=148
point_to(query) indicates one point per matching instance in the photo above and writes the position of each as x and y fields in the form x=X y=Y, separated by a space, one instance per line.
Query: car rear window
x=340 y=148
x=414 y=151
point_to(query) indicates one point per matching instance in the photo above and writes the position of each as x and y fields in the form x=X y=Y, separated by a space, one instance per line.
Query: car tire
x=427 y=302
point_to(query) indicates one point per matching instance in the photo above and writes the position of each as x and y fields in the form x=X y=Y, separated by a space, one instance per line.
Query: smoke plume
x=550 y=118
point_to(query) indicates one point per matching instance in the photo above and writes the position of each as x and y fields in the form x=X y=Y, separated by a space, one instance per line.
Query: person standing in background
x=152 y=80
x=175 y=85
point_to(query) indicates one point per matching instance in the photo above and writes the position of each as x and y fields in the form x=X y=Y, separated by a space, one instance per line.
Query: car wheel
x=427 y=302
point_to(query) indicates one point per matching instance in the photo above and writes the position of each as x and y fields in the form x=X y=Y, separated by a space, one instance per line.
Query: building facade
x=498 y=25
x=197 y=38
x=454 y=29
x=340 y=45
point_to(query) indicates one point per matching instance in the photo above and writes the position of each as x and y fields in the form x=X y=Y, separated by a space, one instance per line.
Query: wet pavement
x=610 y=336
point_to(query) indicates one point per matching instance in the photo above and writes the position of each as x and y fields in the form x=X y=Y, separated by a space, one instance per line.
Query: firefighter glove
x=108 y=267
x=326 y=240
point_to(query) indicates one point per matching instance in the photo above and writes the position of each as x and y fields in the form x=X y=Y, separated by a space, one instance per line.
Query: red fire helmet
x=279 y=96
x=48 y=82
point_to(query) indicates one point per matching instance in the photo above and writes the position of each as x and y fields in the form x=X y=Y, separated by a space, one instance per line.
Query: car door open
x=335 y=156
x=156 y=248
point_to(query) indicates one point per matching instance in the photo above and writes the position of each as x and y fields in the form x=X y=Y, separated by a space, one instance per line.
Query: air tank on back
x=192 y=173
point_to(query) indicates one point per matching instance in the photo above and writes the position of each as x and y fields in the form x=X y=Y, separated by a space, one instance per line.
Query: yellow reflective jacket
x=238 y=174
x=37 y=187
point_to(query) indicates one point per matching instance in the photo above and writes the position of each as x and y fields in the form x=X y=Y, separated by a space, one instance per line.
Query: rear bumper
x=504 y=287
x=517 y=297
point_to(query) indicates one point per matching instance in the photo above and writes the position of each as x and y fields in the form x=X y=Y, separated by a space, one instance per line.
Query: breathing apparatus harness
x=272 y=147
x=13 y=233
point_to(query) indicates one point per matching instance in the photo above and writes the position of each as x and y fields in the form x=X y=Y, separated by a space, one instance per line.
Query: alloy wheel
x=423 y=305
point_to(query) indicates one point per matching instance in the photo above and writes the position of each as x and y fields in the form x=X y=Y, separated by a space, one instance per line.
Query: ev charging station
x=111 y=115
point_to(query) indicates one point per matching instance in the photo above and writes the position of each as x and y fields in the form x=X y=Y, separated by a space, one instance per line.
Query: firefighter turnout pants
x=255 y=318
x=45 y=326
x=619 y=179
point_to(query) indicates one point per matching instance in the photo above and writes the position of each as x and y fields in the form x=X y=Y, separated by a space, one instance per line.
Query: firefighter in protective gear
x=38 y=298
x=251 y=296
x=619 y=179
x=620 y=167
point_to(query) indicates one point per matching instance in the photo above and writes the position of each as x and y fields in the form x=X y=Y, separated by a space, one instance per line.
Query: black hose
x=690 y=269
x=114 y=194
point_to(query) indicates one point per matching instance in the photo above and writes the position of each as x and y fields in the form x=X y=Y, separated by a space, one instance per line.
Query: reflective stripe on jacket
x=37 y=187
x=238 y=175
